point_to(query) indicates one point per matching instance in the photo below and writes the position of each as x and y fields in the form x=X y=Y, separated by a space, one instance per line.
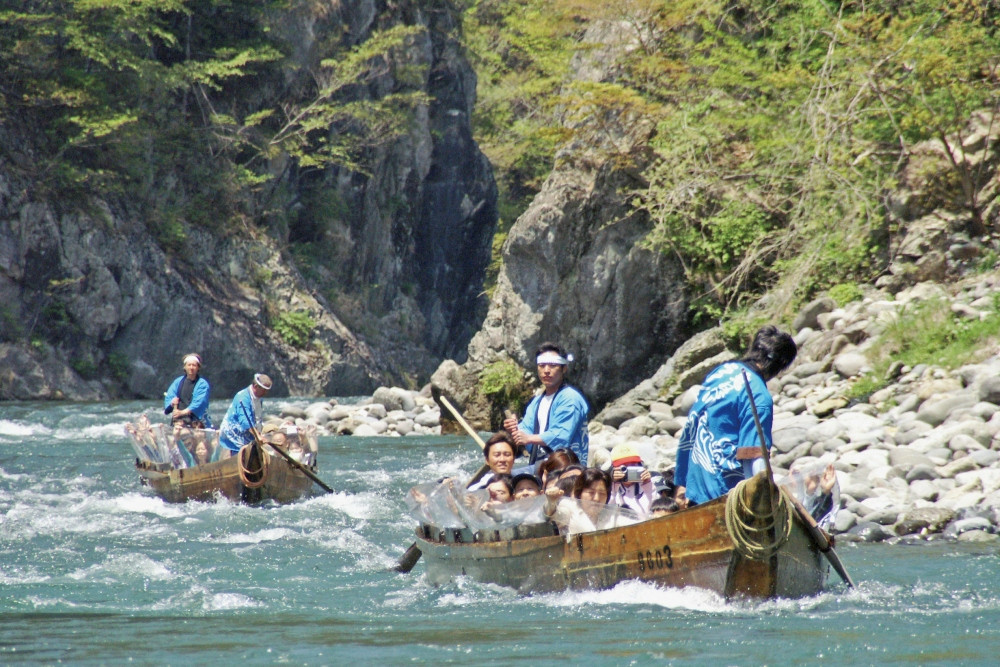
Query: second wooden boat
x=181 y=464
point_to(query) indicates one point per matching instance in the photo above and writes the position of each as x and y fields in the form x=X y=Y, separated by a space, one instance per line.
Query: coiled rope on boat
x=253 y=476
x=751 y=531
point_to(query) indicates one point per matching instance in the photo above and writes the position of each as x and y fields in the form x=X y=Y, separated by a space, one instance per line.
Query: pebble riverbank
x=920 y=459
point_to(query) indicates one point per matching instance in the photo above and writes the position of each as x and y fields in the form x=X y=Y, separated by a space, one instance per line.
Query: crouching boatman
x=244 y=413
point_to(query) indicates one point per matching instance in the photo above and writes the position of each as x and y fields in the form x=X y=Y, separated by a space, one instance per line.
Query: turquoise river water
x=94 y=569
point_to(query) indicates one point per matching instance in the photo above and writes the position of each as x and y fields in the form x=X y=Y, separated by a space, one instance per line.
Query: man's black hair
x=771 y=351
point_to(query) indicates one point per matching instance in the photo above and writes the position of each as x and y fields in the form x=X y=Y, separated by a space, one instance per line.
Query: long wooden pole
x=815 y=532
x=772 y=489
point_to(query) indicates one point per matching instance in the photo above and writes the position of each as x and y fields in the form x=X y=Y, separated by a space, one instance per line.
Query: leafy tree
x=786 y=123
x=149 y=97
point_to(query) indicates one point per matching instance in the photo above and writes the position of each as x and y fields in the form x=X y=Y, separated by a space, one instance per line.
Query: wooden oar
x=815 y=532
x=410 y=557
x=822 y=542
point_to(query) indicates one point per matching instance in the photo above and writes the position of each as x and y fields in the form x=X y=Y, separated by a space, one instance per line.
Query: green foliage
x=504 y=384
x=11 y=329
x=988 y=261
x=186 y=106
x=260 y=277
x=782 y=126
x=84 y=367
x=738 y=331
x=118 y=365
x=496 y=262
x=521 y=50
x=329 y=128
x=845 y=293
x=295 y=328
x=57 y=319
x=928 y=332
x=866 y=385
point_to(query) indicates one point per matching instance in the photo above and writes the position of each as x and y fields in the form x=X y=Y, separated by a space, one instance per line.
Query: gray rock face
x=122 y=295
x=571 y=277
x=575 y=272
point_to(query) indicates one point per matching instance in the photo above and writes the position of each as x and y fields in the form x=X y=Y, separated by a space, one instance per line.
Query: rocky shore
x=919 y=459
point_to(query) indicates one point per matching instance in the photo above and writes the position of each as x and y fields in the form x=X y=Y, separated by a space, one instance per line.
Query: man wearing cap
x=556 y=418
x=186 y=401
x=719 y=446
x=244 y=414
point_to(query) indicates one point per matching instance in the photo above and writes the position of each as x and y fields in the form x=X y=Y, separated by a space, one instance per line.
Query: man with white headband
x=556 y=418
x=186 y=401
x=244 y=414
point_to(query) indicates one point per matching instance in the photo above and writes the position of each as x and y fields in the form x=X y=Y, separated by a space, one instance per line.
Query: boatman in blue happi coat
x=556 y=418
x=719 y=446
x=186 y=400
x=244 y=413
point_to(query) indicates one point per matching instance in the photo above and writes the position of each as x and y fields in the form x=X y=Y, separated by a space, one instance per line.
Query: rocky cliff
x=575 y=270
x=94 y=307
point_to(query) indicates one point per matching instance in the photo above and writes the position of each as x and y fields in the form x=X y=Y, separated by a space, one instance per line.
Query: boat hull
x=689 y=548
x=210 y=481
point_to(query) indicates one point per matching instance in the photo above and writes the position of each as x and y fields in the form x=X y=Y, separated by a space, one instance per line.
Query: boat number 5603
x=658 y=559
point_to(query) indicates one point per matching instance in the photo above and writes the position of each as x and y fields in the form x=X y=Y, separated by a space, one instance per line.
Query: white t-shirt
x=544 y=406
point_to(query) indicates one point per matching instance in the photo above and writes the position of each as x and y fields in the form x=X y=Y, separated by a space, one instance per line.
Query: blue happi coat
x=567 y=424
x=199 y=398
x=240 y=418
x=718 y=423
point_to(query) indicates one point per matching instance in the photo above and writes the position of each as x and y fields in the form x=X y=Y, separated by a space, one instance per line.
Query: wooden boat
x=758 y=553
x=181 y=464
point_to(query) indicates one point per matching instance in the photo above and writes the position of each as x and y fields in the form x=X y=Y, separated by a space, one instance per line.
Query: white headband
x=550 y=357
x=192 y=357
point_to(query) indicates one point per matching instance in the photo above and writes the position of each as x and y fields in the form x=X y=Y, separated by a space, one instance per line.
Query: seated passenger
x=591 y=489
x=663 y=484
x=297 y=451
x=202 y=452
x=501 y=491
x=571 y=472
x=557 y=460
x=632 y=484
x=526 y=486
x=662 y=507
x=499 y=453
x=815 y=486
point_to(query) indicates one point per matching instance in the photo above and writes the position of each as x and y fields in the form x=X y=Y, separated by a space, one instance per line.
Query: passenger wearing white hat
x=245 y=413
x=186 y=401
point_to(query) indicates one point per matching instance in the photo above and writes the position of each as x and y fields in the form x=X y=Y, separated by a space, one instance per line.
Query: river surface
x=95 y=569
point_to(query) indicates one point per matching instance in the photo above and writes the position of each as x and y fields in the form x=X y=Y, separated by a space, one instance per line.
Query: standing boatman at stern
x=719 y=446
x=244 y=413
